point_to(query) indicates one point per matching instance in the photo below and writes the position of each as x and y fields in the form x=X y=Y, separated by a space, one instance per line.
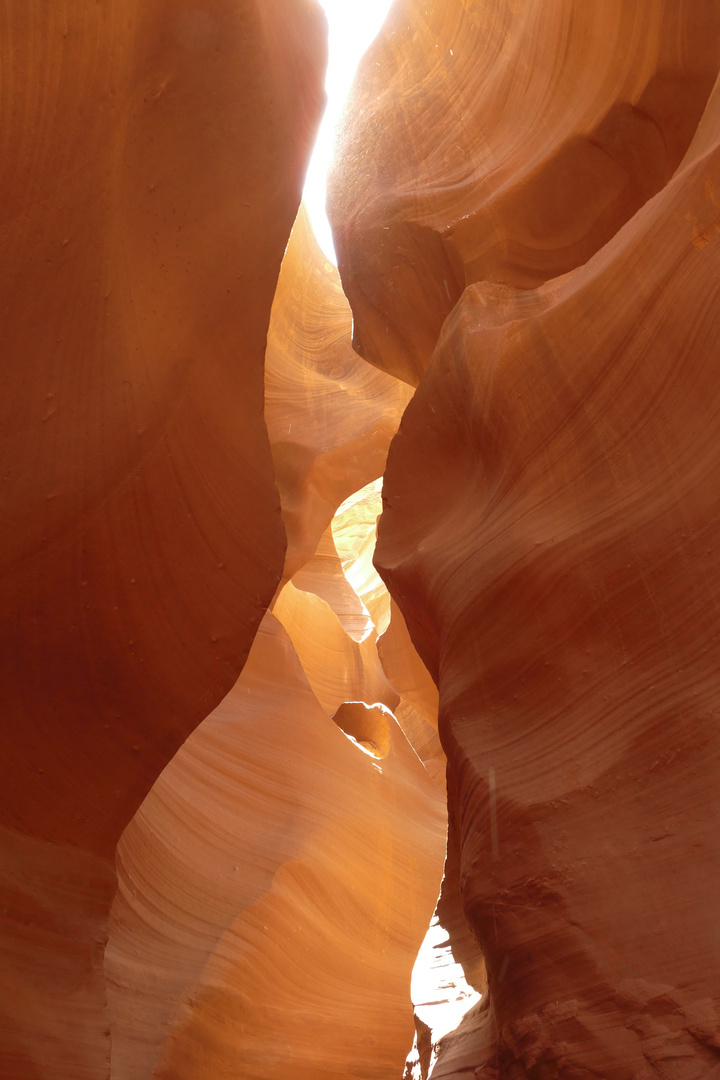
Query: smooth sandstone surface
x=151 y=172
x=417 y=710
x=151 y=162
x=330 y=415
x=338 y=668
x=549 y=532
x=323 y=575
x=504 y=141
x=278 y=881
x=274 y=890
x=354 y=534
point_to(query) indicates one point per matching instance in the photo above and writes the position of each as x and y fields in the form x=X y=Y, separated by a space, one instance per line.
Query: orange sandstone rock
x=277 y=882
x=549 y=531
x=330 y=416
x=504 y=141
x=151 y=165
x=417 y=710
x=385 y=654
x=274 y=890
x=337 y=667
x=323 y=575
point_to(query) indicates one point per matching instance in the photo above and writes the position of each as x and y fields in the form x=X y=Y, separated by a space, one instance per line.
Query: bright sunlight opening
x=352 y=26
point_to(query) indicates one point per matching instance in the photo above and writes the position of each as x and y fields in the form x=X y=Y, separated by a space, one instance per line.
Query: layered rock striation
x=274 y=889
x=278 y=880
x=505 y=142
x=550 y=510
x=330 y=416
x=213 y=867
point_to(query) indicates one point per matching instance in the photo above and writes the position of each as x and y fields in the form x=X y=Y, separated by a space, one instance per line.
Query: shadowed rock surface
x=151 y=164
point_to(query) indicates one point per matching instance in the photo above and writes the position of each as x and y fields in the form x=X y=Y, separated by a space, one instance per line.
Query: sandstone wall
x=550 y=506
x=151 y=162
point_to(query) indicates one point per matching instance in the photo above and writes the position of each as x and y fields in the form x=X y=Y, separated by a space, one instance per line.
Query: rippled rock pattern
x=550 y=516
x=212 y=868
x=277 y=882
x=274 y=890
x=504 y=141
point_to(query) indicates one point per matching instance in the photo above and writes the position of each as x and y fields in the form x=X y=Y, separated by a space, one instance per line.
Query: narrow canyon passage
x=276 y=885
x=278 y=802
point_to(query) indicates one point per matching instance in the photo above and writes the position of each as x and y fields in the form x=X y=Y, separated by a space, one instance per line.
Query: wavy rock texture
x=338 y=668
x=354 y=535
x=549 y=532
x=277 y=882
x=527 y=211
x=275 y=888
x=504 y=141
x=323 y=575
x=330 y=416
x=342 y=575
x=151 y=164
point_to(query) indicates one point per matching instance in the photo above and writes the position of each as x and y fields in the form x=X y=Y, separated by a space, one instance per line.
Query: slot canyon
x=359 y=623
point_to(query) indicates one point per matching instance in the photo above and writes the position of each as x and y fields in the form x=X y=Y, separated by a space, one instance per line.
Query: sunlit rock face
x=330 y=416
x=505 y=142
x=277 y=882
x=549 y=532
x=274 y=890
x=151 y=166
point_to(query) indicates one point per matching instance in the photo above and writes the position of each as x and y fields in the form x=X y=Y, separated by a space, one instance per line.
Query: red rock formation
x=274 y=890
x=504 y=141
x=151 y=165
x=337 y=667
x=323 y=575
x=330 y=416
x=528 y=219
x=277 y=882
x=549 y=532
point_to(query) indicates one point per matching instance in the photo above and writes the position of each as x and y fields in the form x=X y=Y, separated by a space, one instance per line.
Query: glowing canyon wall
x=277 y=882
x=224 y=742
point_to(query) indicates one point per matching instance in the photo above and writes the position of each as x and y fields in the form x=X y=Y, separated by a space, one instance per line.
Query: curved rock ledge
x=507 y=142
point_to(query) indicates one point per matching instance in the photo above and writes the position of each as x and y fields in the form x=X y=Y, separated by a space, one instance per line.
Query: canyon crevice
x=276 y=801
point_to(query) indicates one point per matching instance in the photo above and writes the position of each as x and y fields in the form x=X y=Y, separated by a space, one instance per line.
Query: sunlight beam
x=352 y=26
